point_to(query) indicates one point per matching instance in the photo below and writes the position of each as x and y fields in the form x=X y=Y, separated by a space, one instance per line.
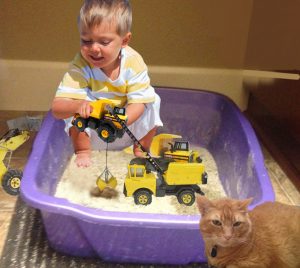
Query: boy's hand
x=85 y=109
x=63 y=108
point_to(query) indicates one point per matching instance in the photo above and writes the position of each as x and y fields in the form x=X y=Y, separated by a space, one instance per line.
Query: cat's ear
x=203 y=204
x=243 y=204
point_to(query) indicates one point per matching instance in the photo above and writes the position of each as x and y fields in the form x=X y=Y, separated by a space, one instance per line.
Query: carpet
x=26 y=246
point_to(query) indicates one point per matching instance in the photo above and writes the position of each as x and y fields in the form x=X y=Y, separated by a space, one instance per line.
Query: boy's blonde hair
x=94 y=12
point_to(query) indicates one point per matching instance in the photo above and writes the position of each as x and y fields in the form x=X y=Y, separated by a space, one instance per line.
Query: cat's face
x=224 y=222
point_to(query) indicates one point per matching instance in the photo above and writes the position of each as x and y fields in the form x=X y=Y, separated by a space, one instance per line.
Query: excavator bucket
x=13 y=139
x=111 y=183
x=160 y=142
x=106 y=180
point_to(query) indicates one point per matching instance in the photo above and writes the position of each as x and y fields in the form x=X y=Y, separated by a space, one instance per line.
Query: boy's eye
x=216 y=222
x=86 y=42
x=105 y=42
x=237 y=223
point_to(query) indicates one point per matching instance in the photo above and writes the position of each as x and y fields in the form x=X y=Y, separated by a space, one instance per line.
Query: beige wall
x=274 y=36
x=196 y=33
x=38 y=30
x=196 y=44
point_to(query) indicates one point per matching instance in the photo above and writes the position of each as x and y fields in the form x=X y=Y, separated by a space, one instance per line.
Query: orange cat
x=267 y=236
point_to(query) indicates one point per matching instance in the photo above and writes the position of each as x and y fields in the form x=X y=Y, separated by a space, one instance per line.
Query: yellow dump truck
x=181 y=172
x=101 y=120
x=165 y=146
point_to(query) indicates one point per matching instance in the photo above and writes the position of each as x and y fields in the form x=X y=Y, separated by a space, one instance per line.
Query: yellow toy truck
x=181 y=171
x=9 y=142
x=179 y=151
x=101 y=120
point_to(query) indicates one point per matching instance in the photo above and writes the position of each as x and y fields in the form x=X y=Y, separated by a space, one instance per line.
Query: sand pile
x=77 y=183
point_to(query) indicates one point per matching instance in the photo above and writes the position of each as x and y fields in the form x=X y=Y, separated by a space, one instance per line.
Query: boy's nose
x=95 y=47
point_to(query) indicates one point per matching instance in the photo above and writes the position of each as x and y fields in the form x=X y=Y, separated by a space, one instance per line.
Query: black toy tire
x=142 y=197
x=80 y=123
x=106 y=133
x=11 y=181
x=186 y=197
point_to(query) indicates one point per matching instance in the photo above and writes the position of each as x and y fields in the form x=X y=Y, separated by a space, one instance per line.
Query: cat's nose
x=227 y=236
x=227 y=233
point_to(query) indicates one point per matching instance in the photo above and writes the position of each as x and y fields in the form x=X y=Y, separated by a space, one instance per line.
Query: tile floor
x=284 y=190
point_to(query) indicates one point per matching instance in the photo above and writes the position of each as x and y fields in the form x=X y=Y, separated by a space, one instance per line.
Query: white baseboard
x=224 y=81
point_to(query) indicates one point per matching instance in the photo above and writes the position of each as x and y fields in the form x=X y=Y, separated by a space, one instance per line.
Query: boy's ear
x=126 y=39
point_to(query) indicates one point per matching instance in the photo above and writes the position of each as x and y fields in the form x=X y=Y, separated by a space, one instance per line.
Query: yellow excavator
x=9 y=142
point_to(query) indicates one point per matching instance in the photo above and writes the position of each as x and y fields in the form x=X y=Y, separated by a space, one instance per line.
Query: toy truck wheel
x=106 y=133
x=186 y=197
x=142 y=197
x=11 y=181
x=80 y=123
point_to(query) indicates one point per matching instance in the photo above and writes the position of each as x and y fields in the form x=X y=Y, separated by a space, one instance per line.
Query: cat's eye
x=237 y=223
x=216 y=222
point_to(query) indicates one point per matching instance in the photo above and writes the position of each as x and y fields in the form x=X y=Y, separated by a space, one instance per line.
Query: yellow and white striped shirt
x=83 y=81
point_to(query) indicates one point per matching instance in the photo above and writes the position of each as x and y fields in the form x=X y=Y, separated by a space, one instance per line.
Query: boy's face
x=101 y=45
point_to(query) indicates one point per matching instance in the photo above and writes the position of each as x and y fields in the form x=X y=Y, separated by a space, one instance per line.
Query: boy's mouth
x=96 y=58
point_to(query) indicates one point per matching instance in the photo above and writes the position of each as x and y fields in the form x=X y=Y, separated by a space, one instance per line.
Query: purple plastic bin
x=205 y=119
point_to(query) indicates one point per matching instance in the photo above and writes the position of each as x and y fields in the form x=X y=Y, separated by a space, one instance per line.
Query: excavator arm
x=149 y=158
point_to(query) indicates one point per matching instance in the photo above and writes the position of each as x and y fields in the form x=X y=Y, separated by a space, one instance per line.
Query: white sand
x=76 y=184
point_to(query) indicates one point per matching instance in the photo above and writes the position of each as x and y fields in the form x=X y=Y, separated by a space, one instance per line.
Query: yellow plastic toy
x=9 y=142
x=178 y=171
x=181 y=171
x=179 y=151
x=101 y=120
x=106 y=179
x=106 y=119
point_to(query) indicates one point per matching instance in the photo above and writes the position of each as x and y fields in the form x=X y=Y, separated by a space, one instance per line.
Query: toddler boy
x=108 y=68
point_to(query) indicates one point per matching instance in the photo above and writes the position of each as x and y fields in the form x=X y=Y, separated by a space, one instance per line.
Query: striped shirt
x=83 y=81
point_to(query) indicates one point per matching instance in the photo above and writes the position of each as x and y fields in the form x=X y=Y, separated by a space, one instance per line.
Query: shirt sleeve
x=139 y=89
x=74 y=84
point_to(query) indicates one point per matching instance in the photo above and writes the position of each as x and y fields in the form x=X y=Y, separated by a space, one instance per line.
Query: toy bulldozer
x=11 y=178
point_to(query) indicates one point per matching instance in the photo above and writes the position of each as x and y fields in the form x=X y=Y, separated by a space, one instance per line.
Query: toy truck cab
x=101 y=120
x=140 y=183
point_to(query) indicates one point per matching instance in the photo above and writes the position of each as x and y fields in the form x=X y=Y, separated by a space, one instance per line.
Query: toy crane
x=9 y=142
x=178 y=171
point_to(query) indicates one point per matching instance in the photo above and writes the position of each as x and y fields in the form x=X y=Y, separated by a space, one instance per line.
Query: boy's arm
x=134 y=111
x=63 y=108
